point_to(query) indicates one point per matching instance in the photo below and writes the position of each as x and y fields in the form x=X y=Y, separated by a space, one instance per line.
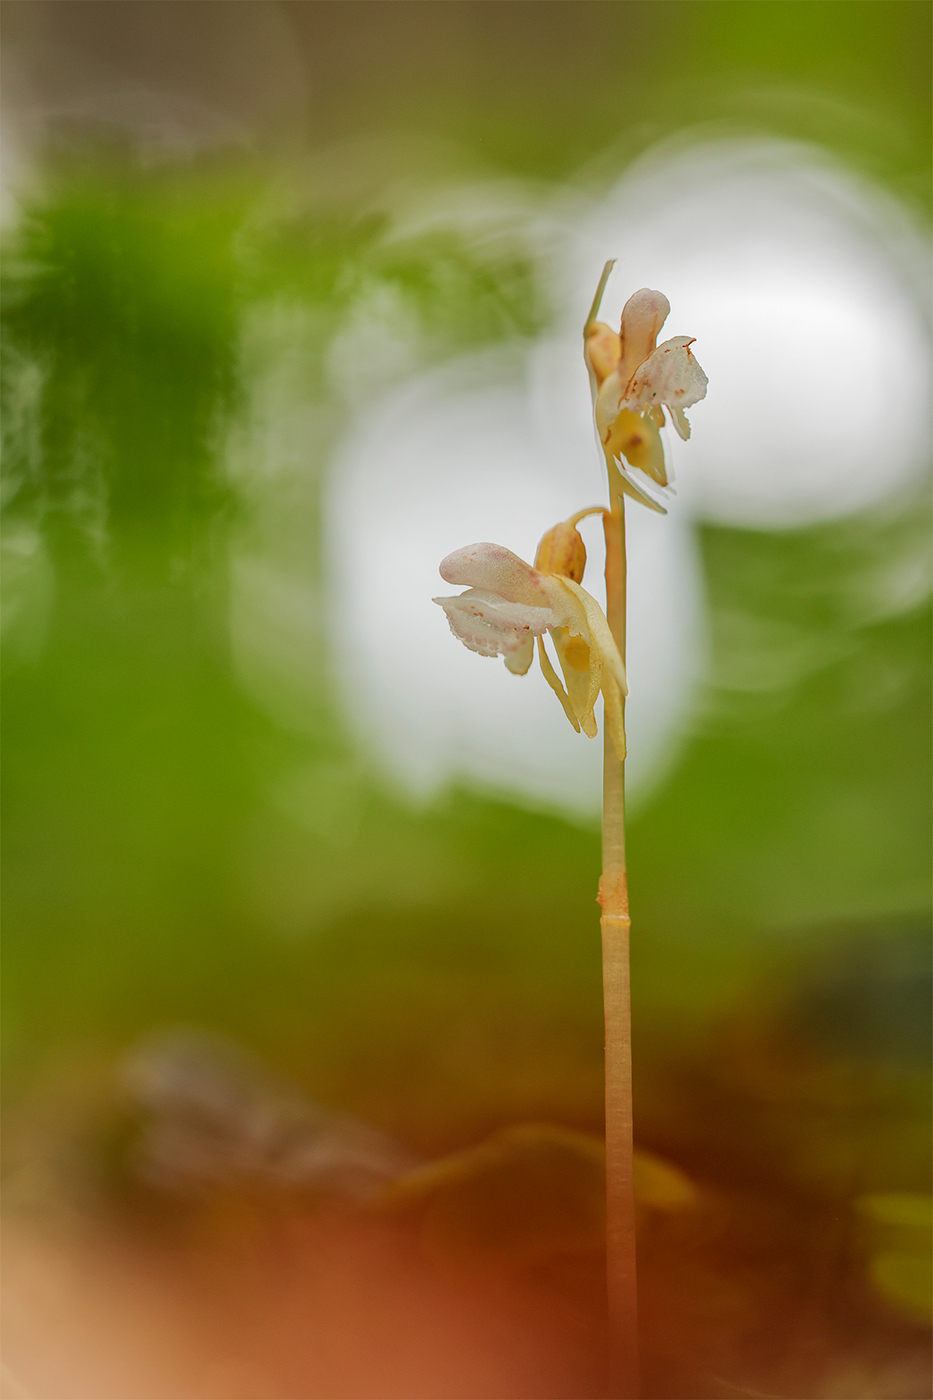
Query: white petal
x=519 y=661
x=491 y=626
x=496 y=570
x=643 y=315
x=679 y=419
x=670 y=376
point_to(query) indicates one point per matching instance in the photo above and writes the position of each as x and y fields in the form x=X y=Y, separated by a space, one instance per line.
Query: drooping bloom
x=509 y=605
x=634 y=379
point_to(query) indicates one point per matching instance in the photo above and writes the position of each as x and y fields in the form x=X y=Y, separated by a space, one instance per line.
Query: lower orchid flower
x=509 y=606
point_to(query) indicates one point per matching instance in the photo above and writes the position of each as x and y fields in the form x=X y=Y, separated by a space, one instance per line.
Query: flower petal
x=600 y=636
x=519 y=661
x=679 y=419
x=635 y=437
x=608 y=403
x=491 y=626
x=550 y=675
x=670 y=376
x=498 y=571
x=611 y=668
x=582 y=685
x=628 y=486
x=643 y=315
x=602 y=349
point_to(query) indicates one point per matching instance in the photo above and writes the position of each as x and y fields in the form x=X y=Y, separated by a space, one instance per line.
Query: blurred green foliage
x=137 y=773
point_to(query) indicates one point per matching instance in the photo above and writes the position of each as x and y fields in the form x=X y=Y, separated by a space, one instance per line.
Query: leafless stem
x=615 y=926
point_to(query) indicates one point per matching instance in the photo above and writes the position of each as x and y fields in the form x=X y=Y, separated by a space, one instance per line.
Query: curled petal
x=670 y=376
x=496 y=570
x=643 y=315
x=492 y=626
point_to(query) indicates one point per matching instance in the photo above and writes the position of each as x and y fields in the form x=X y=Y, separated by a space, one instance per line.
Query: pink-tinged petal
x=496 y=570
x=491 y=626
x=643 y=315
x=670 y=376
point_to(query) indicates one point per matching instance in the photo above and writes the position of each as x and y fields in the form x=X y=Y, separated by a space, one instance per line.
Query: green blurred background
x=436 y=972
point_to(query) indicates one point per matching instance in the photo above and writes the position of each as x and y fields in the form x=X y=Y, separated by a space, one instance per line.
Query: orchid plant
x=508 y=608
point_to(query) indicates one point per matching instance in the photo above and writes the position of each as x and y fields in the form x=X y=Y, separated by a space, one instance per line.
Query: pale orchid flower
x=508 y=604
x=634 y=379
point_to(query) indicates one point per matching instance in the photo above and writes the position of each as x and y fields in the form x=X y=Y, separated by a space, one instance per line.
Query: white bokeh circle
x=802 y=286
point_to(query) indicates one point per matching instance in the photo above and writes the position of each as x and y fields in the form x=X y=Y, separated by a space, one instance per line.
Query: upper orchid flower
x=634 y=379
x=508 y=604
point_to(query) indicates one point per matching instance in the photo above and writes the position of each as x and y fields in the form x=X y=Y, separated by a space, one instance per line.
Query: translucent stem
x=615 y=926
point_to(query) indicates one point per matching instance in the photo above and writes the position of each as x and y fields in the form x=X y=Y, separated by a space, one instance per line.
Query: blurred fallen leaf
x=527 y=1195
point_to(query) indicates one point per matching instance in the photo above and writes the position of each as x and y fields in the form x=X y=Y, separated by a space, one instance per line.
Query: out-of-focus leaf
x=897 y=1228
